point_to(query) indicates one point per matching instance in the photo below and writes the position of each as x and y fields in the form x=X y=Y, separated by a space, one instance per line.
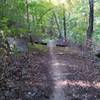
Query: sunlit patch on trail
x=58 y=64
x=84 y=84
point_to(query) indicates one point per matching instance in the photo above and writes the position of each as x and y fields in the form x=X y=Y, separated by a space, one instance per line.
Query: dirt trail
x=61 y=74
x=71 y=74
x=56 y=75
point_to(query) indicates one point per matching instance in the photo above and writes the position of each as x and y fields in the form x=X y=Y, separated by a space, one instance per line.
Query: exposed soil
x=29 y=76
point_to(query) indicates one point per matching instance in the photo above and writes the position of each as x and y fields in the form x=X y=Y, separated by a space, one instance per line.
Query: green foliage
x=46 y=19
x=38 y=47
x=4 y=30
x=18 y=32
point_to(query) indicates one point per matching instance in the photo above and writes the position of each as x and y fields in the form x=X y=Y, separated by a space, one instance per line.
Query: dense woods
x=49 y=49
x=71 y=19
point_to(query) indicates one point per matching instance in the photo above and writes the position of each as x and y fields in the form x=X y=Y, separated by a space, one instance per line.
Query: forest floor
x=55 y=74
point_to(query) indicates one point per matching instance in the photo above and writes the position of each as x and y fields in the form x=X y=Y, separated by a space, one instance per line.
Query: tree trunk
x=90 y=27
x=57 y=23
x=91 y=19
x=27 y=12
x=64 y=22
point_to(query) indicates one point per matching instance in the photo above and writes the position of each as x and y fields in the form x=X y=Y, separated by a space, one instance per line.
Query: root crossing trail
x=56 y=74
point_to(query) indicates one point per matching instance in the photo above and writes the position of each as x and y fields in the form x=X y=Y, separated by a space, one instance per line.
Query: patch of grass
x=39 y=47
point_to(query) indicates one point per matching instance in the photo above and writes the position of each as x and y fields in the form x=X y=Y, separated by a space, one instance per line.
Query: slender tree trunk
x=58 y=26
x=90 y=27
x=64 y=22
x=28 y=22
x=27 y=12
x=91 y=19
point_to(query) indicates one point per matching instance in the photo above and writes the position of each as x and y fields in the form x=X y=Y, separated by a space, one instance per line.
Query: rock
x=11 y=42
x=20 y=44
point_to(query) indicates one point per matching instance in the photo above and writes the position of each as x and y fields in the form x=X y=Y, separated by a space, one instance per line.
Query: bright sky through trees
x=56 y=2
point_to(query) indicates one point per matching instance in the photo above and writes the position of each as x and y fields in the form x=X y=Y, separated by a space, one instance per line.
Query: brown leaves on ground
x=28 y=77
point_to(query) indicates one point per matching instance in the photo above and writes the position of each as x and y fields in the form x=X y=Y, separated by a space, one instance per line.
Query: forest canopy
x=49 y=18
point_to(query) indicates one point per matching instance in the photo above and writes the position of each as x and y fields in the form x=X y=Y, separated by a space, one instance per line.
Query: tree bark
x=64 y=22
x=91 y=19
x=58 y=26
x=90 y=26
x=27 y=12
